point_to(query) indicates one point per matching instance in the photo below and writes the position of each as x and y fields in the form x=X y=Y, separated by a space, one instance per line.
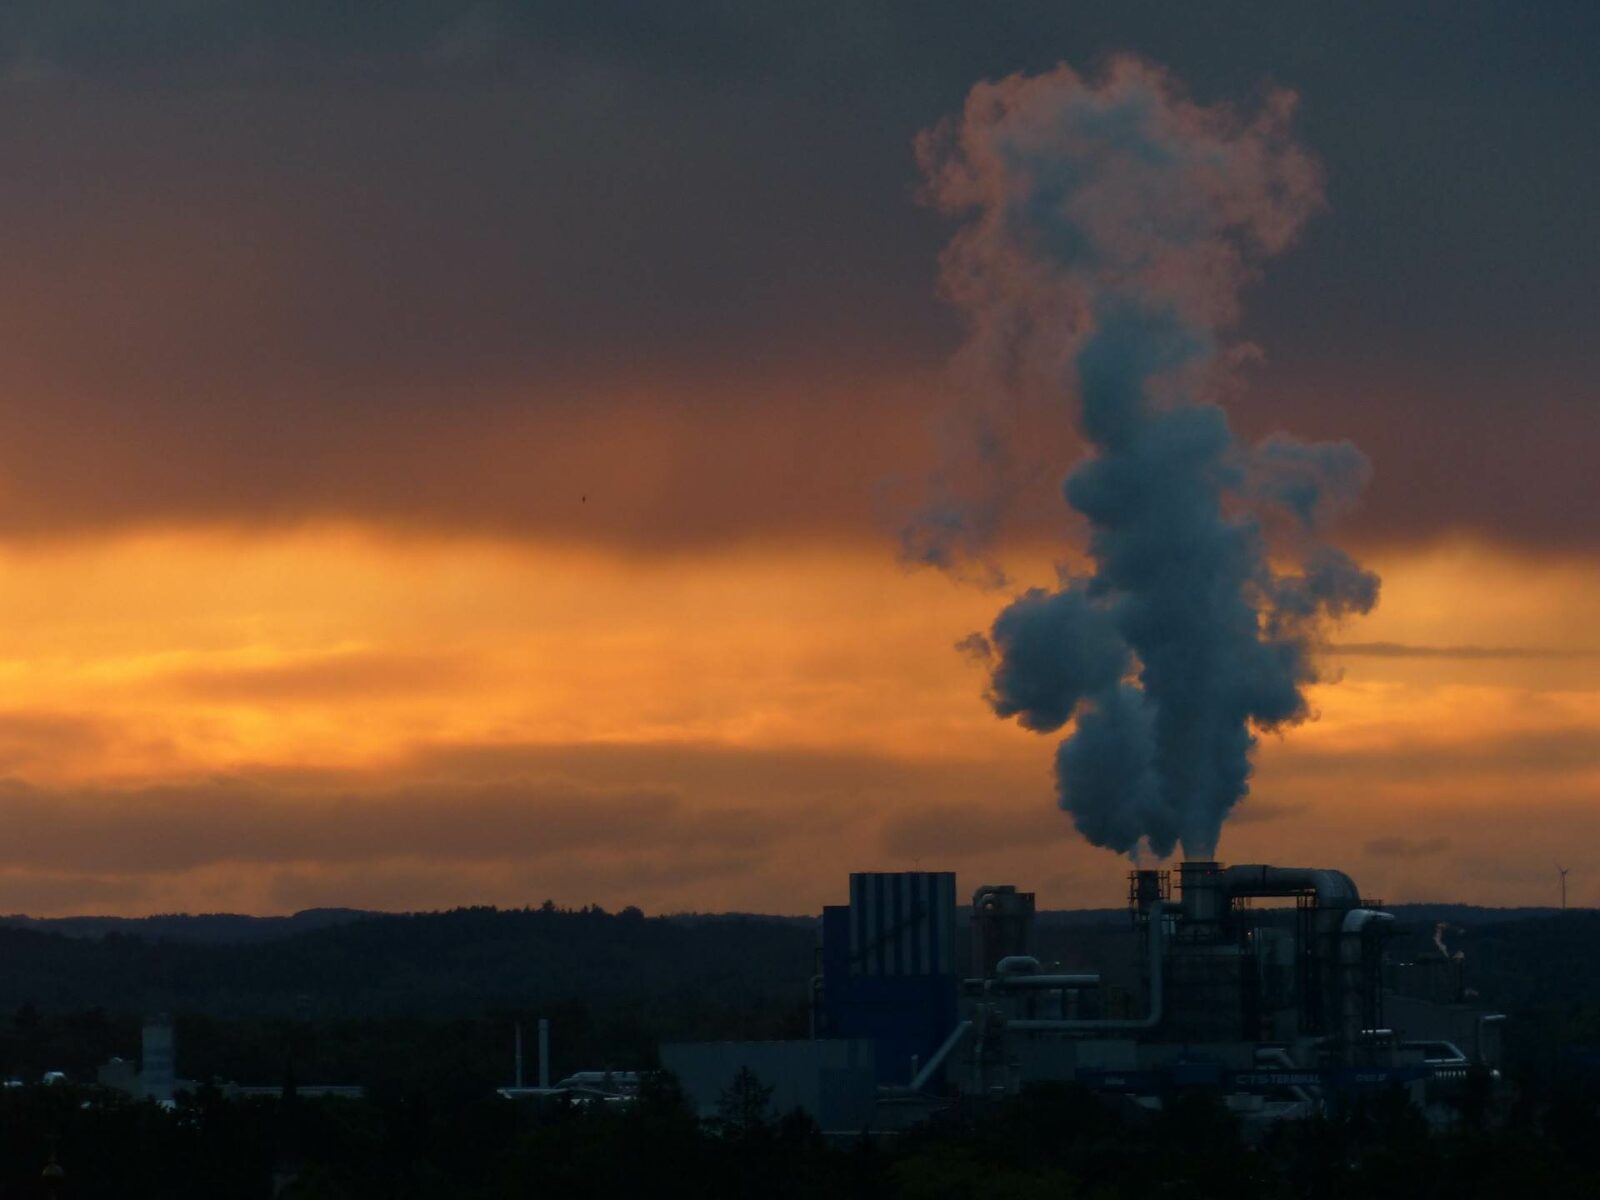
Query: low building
x=832 y=1079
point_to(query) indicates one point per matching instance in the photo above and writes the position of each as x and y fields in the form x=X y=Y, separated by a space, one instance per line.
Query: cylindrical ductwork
x=1359 y=989
x=1154 y=1014
x=1333 y=889
x=1047 y=982
x=1017 y=964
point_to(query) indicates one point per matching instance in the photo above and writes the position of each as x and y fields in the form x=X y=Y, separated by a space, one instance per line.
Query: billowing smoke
x=1111 y=226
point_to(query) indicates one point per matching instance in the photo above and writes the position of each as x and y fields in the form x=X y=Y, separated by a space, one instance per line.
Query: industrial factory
x=1270 y=985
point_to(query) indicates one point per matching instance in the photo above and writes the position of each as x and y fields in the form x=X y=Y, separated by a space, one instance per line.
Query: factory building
x=1267 y=984
x=889 y=966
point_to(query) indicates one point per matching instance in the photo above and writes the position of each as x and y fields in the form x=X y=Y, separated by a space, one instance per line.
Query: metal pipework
x=1209 y=888
x=1353 y=931
x=1022 y=971
x=1157 y=1006
x=939 y=1055
x=1065 y=982
x=1017 y=964
x=1333 y=889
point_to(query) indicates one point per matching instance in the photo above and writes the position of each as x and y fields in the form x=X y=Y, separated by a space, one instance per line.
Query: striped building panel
x=902 y=923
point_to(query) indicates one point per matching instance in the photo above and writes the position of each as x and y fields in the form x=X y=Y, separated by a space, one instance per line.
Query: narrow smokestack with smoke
x=1111 y=225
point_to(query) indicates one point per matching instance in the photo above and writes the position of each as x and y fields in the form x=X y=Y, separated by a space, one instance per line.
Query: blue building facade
x=890 y=967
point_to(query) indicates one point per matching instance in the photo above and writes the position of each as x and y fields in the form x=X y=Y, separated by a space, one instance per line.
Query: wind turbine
x=1563 y=871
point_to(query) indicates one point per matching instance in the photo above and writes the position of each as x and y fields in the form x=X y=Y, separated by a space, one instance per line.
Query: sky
x=455 y=454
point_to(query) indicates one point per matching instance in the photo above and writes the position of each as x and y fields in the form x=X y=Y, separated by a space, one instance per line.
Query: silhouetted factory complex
x=1267 y=984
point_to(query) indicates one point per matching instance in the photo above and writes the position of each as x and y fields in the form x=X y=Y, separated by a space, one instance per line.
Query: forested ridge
x=443 y=964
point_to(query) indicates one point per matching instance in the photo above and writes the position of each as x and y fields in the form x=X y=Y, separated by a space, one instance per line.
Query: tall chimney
x=1201 y=883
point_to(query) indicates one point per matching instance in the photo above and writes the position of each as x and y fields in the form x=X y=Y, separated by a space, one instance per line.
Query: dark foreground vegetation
x=1052 y=1142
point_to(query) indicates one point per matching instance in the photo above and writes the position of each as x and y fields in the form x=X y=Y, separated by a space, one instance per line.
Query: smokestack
x=1113 y=225
x=1200 y=882
x=1146 y=890
x=518 y=1071
x=544 y=1052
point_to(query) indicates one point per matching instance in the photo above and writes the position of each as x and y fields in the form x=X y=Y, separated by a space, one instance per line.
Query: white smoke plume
x=1111 y=224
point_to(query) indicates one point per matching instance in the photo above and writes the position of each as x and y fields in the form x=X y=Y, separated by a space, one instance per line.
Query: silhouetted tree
x=745 y=1106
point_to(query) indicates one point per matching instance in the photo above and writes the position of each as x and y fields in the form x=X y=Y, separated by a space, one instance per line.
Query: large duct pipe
x=1010 y=982
x=1006 y=983
x=1333 y=889
x=1358 y=920
x=1358 y=923
x=1022 y=971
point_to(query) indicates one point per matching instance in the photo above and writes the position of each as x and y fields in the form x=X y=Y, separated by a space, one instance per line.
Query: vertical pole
x=544 y=1052
x=519 y=1054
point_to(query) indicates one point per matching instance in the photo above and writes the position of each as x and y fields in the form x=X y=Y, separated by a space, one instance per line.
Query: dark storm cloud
x=267 y=261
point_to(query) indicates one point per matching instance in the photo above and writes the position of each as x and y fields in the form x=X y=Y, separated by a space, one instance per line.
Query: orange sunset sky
x=460 y=462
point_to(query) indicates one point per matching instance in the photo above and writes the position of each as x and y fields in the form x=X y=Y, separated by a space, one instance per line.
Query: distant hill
x=235 y=928
x=447 y=964
x=1467 y=914
x=213 y=928
x=694 y=971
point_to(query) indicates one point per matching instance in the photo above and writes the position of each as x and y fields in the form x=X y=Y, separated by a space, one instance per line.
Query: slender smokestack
x=1114 y=223
x=544 y=1052
x=518 y=1065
